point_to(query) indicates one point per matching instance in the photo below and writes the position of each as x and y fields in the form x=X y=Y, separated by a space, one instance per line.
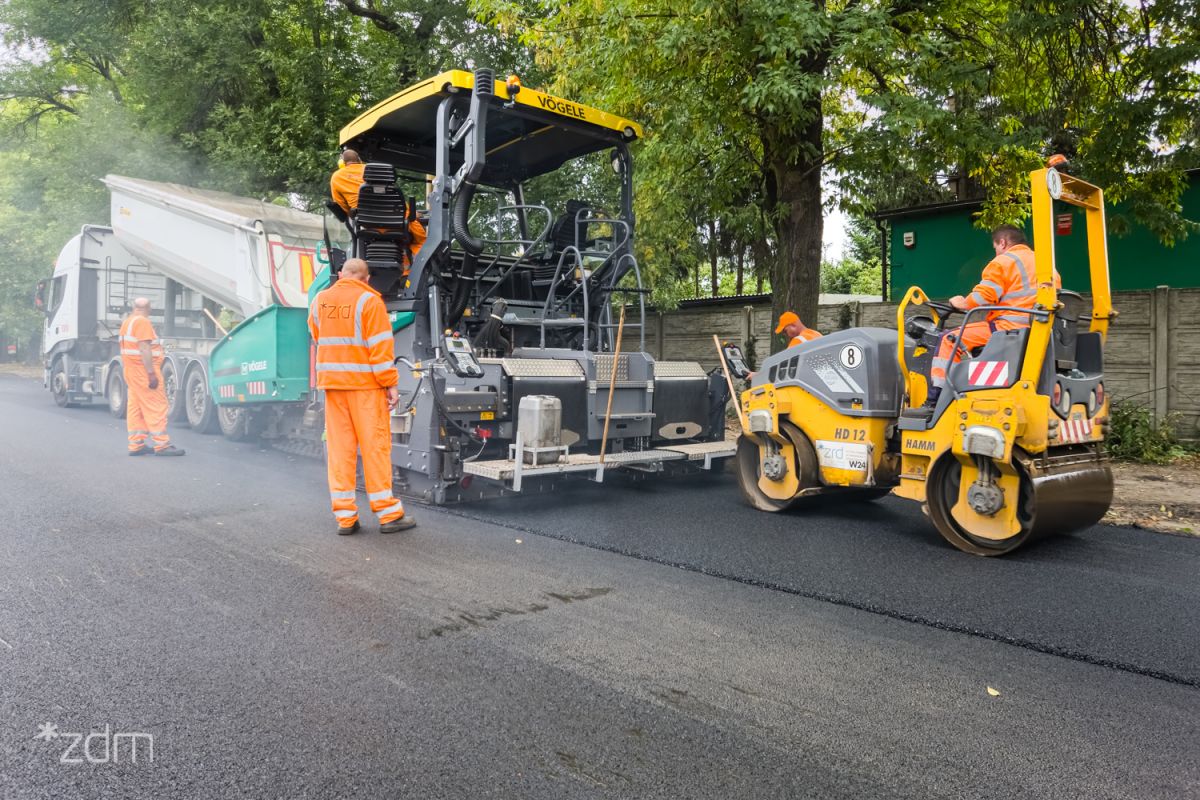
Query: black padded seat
x=381 y=219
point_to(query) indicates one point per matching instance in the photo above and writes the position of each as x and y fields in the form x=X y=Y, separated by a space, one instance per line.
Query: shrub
x=1133 y=436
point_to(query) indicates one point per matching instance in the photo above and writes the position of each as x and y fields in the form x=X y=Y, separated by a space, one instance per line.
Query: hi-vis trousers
x=145 y=410
x=358 y=420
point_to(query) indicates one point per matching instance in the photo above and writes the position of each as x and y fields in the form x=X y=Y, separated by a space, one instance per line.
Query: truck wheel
x=201 y=410
x=239 y=423
x=117 y=404
x=60 y=385
x=176 y=412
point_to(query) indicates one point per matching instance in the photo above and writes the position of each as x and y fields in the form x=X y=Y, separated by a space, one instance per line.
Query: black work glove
x=153 y=381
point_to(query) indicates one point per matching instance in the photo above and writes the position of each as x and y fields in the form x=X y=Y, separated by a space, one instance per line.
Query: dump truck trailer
x=192 y=253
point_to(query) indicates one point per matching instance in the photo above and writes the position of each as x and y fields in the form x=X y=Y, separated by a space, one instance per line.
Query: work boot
x=144 y=450
x=170 y=450
x=348 y=529
x=397 y=525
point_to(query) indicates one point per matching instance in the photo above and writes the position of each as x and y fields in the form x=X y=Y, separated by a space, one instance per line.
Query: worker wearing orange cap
x=356 y=368
x=146 y=397
x=795 y=330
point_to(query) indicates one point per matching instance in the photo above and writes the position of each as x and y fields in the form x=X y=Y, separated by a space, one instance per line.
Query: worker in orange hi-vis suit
x=1009 y=279
x=146 y=398
x=356 y=369
x=795 y=330
x=346 y=181
x=343 y=188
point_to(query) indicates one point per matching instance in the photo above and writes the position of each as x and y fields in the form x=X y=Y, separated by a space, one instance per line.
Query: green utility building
x=939 y=249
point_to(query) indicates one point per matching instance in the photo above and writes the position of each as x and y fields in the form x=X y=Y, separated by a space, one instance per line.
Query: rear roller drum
x=1068 y=493
x=749 y=466
x=942 y=495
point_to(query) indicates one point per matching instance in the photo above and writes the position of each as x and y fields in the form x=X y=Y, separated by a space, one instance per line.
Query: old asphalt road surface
x=657 y=640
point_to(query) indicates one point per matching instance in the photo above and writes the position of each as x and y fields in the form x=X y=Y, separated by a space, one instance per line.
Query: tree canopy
x=761 y=115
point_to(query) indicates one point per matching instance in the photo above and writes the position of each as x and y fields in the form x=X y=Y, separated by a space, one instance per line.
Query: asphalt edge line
x=902 y=616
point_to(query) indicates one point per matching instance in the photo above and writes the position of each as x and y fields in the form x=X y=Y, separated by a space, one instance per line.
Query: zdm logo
x=99 y=747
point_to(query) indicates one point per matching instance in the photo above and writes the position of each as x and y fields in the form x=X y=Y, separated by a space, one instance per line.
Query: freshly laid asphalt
x=657 y=639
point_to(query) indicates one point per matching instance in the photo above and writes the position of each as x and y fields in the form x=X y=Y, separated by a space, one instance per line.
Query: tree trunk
x=712 y=258
x=799 y=227
x=741 y=270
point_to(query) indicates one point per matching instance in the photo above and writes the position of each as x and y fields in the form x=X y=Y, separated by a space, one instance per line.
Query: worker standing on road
x=343 y=188
x=146 y=397
x=356 y=368
x=1009 y=279
x=795 y=330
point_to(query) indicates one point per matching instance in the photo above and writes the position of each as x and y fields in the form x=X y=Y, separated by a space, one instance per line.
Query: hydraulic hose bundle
x=474 y=151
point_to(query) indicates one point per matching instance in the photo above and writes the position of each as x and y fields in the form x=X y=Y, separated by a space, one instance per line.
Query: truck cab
x=94 y=283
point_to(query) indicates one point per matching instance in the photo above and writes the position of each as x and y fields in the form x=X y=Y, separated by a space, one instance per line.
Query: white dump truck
x=193 y=253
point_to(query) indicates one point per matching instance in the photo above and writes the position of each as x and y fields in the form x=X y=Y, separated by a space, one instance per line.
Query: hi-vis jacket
x=349 y=323
x=136 y=329
x=1010 y=279
x=806 y=335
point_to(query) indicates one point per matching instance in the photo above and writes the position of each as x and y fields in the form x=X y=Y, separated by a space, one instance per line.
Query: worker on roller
x=146 y=396
x=1009 y=279
x=356 y=369
x=343 y=188
x=795 y=330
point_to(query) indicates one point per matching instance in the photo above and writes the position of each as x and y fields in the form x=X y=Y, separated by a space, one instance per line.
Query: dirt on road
x=1160 y=498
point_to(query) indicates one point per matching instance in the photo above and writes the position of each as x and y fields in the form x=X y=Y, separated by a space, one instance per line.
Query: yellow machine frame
x=1040 y=451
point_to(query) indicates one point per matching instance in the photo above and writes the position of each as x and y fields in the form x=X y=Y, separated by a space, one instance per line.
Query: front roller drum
x=803 y=466
x=1065 y=492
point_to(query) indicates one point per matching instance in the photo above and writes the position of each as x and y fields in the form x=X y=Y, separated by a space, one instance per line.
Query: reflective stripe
x=340 y=514
x=392 y=509
x=331 y=340
x=341 y=495
x=336 y=367
x=384 y=367
x=139 y=433
x=129 y=338
x=384 y=495
x=1015 y=295
x=128 y=352
x=379 y=337
x=1025 y=282
x=1021 y=318
x=979 y=299
x=158 y=433
x=994 y=286
x=358 y=312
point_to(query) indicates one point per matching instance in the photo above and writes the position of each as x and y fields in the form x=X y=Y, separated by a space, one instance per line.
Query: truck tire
x=239 y=423
x=60 y=385
x=176 y=411
x=117 y=396
x=201 y=410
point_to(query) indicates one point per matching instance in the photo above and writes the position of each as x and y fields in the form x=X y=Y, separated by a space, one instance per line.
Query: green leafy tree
x=898 y=102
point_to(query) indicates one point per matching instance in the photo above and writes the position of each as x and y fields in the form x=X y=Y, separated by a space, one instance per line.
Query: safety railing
x=604 y=278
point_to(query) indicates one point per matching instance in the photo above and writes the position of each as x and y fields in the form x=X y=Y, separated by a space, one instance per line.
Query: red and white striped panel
x=1075 y=430
x=256 y=387
x=225 y=391
x=988 y=373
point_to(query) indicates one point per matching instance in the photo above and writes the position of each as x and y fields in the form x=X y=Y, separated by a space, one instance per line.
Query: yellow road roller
x=1012 y=448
